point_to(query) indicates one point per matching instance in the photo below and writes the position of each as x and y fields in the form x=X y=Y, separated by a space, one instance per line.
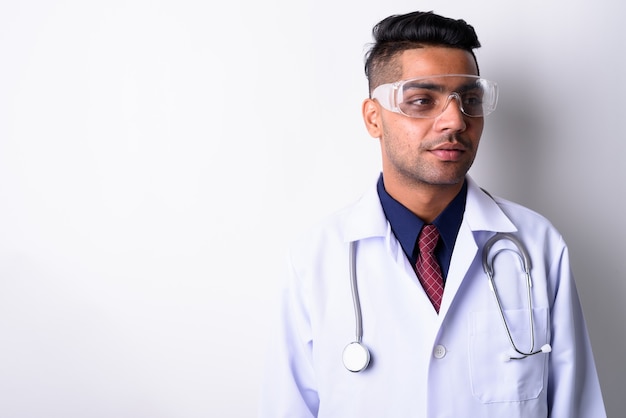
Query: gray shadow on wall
x=532 y=153
x=512 y=151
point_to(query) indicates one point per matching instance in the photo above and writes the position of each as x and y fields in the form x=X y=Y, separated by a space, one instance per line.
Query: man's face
x=437 y=151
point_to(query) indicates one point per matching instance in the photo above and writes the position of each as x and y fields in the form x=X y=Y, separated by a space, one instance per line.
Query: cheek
x=477 y=131
x=479 y=125
x=410 y=132
x=402 y=140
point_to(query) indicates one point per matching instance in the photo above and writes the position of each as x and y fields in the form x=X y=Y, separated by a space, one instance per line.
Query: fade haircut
x=398 y=33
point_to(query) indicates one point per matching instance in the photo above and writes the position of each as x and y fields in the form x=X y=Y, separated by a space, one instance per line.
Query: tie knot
x=428 y=238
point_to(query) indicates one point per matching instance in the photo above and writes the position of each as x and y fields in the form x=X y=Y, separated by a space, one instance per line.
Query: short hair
x=398 y=33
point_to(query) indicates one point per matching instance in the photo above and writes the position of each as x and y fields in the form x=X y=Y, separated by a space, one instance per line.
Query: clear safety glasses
x=428 y=97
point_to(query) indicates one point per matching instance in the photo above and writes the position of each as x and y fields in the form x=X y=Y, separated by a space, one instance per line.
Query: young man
x=433 y=338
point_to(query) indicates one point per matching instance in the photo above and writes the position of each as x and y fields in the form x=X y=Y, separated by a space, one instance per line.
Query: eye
x=472 y=99
x=423 y=101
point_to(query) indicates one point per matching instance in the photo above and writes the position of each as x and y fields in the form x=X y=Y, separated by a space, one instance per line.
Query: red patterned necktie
x=427 y=267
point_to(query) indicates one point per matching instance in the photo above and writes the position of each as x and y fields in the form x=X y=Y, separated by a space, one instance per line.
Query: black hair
x=398 y=33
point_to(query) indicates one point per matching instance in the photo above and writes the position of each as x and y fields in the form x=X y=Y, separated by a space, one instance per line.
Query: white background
x=155 y=156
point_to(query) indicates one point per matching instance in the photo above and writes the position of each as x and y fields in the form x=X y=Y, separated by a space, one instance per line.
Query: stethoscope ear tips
x=356 y=357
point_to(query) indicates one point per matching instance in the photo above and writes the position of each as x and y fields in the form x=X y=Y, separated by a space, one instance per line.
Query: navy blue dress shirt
x=406 y=226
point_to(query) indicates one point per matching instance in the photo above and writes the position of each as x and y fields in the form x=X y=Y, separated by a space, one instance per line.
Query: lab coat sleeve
x=288 y=387
x=573 y=386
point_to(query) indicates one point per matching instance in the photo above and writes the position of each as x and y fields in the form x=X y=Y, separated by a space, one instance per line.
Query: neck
x=426 y=201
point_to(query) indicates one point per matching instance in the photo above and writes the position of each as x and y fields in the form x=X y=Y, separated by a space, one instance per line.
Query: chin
x=449 y=180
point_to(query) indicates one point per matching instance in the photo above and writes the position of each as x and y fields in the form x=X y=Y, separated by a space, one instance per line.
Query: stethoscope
x=522 y=254
x=356 y=355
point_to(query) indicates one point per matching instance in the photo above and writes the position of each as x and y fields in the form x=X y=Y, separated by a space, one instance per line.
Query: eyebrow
x=424 y=85
x=427 y=85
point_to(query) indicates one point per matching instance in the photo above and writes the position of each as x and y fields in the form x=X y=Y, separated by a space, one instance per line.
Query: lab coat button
x=439 y=351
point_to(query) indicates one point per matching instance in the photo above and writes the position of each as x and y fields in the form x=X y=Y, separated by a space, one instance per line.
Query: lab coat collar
x=482 y=211
x=366 y=218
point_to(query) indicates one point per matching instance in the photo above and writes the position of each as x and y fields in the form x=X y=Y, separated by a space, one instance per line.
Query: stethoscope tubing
x=525 y=263
x=356 y=355
x=356 y=300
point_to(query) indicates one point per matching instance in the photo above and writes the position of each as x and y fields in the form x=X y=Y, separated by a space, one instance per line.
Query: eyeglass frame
x=388 y=95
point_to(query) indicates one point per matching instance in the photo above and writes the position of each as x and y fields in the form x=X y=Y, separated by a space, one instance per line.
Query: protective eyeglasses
x=428 y=97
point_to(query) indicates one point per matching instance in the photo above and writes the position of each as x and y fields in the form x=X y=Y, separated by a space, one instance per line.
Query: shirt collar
x=406 y=225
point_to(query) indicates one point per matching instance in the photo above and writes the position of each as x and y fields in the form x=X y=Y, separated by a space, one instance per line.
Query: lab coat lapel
x=482 y=213
x=465 y=251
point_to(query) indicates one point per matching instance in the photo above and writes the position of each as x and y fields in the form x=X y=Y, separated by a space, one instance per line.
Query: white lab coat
x=424 y=364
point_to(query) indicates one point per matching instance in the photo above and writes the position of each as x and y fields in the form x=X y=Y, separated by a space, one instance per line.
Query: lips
x=448 y=154
x=452 y=149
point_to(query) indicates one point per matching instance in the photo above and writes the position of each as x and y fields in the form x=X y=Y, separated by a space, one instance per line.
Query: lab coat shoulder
x=319 y=256
x=317 y=259
x=488 y=212
x=362 y=219
x=485 y=212
x=546 y=246
x=319 y=246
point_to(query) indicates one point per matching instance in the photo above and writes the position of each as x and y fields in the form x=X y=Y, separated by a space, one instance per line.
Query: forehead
x=434 y=60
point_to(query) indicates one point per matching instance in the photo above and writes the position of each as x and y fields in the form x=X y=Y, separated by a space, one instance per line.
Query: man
x=439 y=342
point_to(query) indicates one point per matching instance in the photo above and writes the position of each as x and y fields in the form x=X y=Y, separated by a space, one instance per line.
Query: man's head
x=399 y=33
x=429 y=121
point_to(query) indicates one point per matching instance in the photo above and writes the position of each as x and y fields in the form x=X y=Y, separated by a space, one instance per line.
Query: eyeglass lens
x=429 y=98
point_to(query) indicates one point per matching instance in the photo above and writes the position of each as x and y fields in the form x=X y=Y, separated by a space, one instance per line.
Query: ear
x=372 y=118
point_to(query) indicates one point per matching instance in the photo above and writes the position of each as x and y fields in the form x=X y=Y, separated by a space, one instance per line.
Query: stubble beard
x=421 y=171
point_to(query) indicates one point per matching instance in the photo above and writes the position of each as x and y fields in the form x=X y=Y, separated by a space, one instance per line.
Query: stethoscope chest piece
x=356 y=357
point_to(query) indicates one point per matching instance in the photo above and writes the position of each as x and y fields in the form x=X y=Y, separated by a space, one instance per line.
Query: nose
x=457 y=97
x=452 y=117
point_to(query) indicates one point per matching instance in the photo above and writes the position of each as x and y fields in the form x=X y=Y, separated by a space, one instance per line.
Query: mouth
x=449 y=152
